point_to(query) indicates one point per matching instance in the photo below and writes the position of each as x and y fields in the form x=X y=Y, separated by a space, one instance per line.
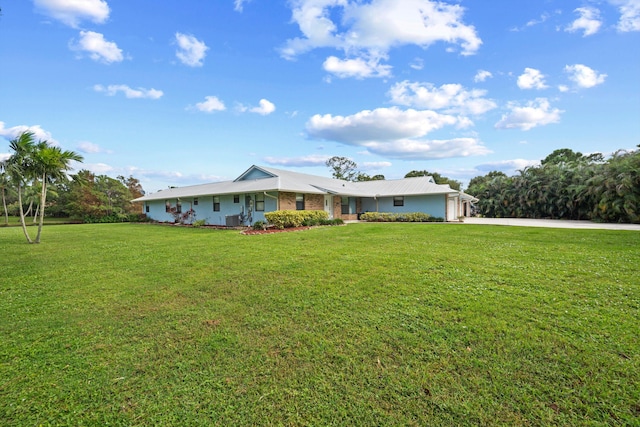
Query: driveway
x=553 y=223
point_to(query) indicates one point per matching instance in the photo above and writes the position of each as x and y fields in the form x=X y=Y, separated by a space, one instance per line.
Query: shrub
x=259 y=225
x=396 y=217
x=199 y=223
x=290 y=218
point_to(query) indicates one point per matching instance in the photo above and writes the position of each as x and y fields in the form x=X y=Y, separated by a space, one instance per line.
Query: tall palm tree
x=4 y=184
x=32 y=162
x=20 y=168
x=51 y=164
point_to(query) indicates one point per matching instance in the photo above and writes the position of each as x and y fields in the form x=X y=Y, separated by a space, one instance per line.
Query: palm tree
x=51 y=164
x=32 y=162
x=20 y=168
x=4 y=183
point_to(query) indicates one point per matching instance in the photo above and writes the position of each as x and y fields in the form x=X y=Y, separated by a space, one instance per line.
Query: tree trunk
x=43 y=199
x=4 y=206
x=24 y=226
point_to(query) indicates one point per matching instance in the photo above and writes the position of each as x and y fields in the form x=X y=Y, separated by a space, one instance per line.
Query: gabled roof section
x=255 y=172
x=257 y=179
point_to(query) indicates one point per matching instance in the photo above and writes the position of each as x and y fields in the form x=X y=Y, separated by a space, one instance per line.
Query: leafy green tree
x=566 y=185
x=100 y=198
x=343 y=168
x=365 y=177
x=616 y=189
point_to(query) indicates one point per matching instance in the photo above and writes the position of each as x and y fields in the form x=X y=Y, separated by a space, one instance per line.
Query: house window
x=398 y=201
x=299 y=202
x=345 y=206
x=167 y=206
x=146 y=207
x=236 y=198
x=260 y=202
x=195 y=201
x=216 y=203
x=178 y=206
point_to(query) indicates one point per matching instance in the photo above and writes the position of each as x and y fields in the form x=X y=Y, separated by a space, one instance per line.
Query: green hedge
x=399 y=217
x=290 y=218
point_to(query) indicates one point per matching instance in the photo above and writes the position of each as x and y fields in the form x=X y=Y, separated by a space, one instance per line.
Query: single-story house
x=263 y=189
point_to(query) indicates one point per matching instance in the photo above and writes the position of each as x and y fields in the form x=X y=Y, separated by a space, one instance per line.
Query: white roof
x=272 y=179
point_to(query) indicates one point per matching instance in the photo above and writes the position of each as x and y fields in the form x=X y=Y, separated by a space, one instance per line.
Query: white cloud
x=531 y=79
x=361 y=33
x=265 y=108
x=210 y=104
x=358 y=67
x=583 y=76
x=534 y=113
x=15 y=131
x=71 y=12
x=90 y=148
x=4 y=156
x=381 y=124
x=191 y=51
x=238 y=5
x=629 y=15
x=98 y=48
x=374 y=166
x=128 y=92
x=98 y=168
x=311 y=160
x=422 y=149
x=482 y=75
x=451 y=98
x=589 y=21
x=395 y=133
x=417 y=64
x=507 y=166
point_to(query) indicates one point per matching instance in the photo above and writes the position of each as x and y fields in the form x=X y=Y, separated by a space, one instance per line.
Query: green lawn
x=14 y=221
x=367 y=324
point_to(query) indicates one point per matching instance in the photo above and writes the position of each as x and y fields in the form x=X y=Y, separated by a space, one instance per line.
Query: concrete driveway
x=553 y=223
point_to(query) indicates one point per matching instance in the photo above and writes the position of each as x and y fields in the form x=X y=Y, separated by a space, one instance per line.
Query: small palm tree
x=32 y=162
x=51 y=164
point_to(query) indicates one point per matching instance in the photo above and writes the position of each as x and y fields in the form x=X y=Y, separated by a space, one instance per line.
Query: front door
x=328 y=205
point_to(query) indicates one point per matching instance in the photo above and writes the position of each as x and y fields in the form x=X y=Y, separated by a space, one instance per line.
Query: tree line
x=34 y=178
x=566 y=185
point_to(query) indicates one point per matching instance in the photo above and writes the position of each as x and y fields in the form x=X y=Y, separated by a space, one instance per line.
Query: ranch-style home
x=263 y=189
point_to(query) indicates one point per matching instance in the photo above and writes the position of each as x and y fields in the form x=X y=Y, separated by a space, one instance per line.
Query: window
x=146 y=207
x=299 y=202
x=216 y=203
x=398 y=200
x=195 y=201
x=178 y=206
x=167 y=206
x=260 y=202
x=345 y=206
x=236 y=198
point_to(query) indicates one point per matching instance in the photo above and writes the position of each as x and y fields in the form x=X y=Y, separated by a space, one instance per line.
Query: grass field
x=367 y=324
x=14 y=221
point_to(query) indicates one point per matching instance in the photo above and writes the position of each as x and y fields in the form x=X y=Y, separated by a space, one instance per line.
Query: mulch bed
x=274 y=230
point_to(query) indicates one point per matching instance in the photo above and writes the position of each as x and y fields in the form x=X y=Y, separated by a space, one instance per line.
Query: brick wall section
x=313 y=202
x=287 y=201
x=316 y=202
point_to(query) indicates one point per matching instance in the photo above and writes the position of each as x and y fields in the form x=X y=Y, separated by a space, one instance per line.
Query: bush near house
x=399 y=217
x=290 y=218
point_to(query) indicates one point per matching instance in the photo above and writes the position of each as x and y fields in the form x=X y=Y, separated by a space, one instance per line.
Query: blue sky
x=180 y=93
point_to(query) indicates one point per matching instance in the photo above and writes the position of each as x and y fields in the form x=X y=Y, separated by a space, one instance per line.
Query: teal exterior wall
x=434 y=205
x=204 y=208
